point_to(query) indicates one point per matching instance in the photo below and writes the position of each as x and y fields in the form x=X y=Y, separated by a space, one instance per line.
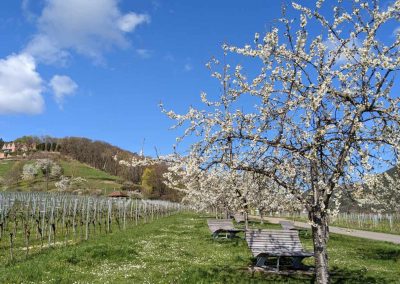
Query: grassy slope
x=5 y=166
x=178 y=249
x=96 y=179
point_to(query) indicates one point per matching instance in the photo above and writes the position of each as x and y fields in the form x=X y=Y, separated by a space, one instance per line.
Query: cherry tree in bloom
x=266 y=195
x=380 y=193
x=319 y=114
x=220 y=188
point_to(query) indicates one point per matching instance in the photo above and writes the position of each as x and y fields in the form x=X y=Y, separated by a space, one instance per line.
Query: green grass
x=96 y=178
x=179 y=249
x=75 y=168
x=5 y=166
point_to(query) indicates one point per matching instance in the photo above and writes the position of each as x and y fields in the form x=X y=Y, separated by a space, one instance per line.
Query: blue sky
x=101 y=72
x=98 y=69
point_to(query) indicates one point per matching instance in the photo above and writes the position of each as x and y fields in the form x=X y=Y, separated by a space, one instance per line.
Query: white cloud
x=86 y=27
x=128 y=22
x=20 y=85
x=89 y=28
x=44 y=49
x=143 y=53
x=62 y=86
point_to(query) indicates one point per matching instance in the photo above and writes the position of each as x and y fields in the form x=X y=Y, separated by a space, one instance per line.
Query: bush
x=128 y=185
x=56 y=171
x=29 y=171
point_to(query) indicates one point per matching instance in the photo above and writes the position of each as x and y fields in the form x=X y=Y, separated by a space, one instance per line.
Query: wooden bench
x=287 y=225
x=276 y=243
x=220 y=226
x=239 y=218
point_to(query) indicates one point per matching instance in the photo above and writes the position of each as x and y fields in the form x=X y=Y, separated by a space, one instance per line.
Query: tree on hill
x=149 y=182
x=324 y=114
x=154 y=185
x=28 y=140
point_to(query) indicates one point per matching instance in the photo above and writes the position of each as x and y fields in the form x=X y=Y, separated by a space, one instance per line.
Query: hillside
x=98 y=154
x=96 y=181
x=97 y=162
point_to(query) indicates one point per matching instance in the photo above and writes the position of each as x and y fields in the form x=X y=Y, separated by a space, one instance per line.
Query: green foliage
x=14 y=173
x=128 y=185
x=179 y=249
x=27 y=140
x=153 y=185
x=149 y=180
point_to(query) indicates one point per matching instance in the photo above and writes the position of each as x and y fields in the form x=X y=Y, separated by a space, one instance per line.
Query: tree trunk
x=320 y=234
x=261 y=216
x=246 y=220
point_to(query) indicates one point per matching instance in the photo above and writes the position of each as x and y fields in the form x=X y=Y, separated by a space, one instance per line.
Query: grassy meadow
x=179 y=249
x=96 y=178
x=5 y=167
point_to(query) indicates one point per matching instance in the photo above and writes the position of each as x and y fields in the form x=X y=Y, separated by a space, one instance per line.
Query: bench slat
x=220 y=225
x=276 y=243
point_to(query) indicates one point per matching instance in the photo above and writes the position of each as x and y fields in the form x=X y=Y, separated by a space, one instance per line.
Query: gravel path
x=343 y=231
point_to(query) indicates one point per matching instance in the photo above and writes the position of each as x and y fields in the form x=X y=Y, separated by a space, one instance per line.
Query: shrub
x=29 y=171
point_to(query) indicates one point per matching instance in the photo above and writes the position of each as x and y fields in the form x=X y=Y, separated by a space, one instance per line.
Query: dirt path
x=343 y=231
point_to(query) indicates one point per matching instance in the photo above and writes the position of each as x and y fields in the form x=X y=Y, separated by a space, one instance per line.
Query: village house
x=9 y=147
x=13 y=147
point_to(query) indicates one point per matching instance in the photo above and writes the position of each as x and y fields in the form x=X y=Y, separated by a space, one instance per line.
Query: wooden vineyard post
x=131 y=216
x=94 y=217
x=43 y=224
x=124 y=214
x=136 y=213
x=74 y=218
x=49 y=224
x=109 y=216
x=11 y=246
x=145 y=212
x=87 y=220
x=27 y=233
